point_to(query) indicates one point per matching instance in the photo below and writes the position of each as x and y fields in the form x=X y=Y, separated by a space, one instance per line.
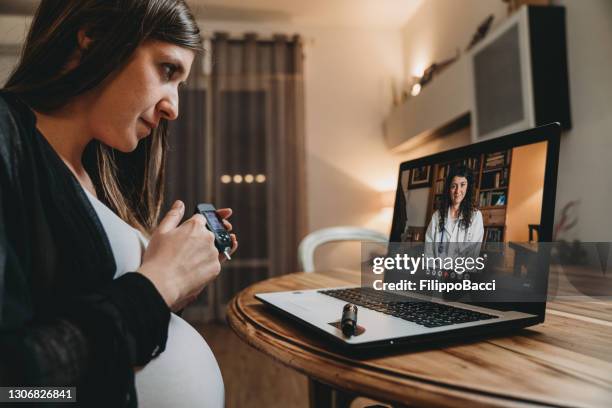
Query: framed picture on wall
x=419 y=177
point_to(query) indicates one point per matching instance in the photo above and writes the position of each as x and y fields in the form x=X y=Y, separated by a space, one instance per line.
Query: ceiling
x=391 y=14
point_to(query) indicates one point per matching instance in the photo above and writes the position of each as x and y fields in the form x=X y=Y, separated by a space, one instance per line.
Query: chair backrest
x=313 y=240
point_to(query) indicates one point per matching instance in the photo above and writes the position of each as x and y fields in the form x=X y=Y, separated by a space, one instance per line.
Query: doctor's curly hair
x=467 y=206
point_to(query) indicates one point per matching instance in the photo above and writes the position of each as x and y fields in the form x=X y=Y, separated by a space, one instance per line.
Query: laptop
x=511 y=185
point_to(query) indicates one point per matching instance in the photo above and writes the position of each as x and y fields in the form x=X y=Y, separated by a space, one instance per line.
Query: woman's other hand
x=225 y=213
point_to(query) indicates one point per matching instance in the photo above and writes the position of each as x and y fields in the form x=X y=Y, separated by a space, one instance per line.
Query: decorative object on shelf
x=419 y=177
x=436 y=68
x=481 y=32
x=514 y=5
x=417 y=83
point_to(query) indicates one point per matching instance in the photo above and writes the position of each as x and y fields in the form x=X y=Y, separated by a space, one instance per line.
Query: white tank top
x=186 y=374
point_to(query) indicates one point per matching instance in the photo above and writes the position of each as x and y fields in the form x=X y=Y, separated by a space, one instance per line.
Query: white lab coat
x=453 y=234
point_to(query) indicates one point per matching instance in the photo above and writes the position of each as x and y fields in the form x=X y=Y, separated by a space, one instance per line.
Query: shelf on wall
x=414 y=122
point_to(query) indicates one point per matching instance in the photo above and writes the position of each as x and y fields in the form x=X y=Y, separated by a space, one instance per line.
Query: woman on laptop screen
x=457 y=219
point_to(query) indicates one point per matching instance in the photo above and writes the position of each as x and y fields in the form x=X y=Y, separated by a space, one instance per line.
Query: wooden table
x=566 y=361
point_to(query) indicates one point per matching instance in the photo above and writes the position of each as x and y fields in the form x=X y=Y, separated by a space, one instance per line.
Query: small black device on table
x=223 y=241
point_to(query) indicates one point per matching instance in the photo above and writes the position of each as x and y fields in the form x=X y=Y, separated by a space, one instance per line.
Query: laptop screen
x=486 y=197
x=496 y=196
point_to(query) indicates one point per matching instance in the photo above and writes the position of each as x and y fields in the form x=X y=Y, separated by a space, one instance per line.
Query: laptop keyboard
x=428 y=314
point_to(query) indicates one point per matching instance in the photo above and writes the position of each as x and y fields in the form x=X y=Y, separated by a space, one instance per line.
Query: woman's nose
x=169 y=108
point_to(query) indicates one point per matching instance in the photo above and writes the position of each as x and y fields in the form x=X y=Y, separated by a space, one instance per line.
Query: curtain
x=188 y=165
x=258 y=137
x=239 y=143
x=186 y=159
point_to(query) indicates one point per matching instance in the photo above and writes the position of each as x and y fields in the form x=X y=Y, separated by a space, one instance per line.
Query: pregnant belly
x=186 y=374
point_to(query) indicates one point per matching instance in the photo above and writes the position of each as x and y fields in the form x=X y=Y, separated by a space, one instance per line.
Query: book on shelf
x=441 y=172
x=492 y=198
x=498 y=198
x=498 y=159
x=494 y=179
x=493 y=235
x=471 y=163
x=491 y=164
x=439 y=187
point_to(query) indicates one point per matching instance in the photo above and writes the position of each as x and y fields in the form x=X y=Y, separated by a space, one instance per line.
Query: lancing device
x=223 y=241
x=349 y=319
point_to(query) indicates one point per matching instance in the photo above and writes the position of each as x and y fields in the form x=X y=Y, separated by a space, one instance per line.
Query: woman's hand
x=225 y=213
x=181 y=260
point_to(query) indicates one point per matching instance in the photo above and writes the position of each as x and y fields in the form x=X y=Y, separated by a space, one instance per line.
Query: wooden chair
x=532 y=228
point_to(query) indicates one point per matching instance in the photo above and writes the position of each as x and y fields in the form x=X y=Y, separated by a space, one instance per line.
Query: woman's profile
x=457 y=219
x=90 y=271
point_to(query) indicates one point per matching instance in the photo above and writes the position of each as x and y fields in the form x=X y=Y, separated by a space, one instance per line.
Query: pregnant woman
x=88 y=276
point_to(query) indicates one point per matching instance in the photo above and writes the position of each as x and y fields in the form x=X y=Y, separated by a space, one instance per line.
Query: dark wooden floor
x=251 y=378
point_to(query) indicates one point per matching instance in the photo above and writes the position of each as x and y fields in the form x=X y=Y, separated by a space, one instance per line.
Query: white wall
x=585 y=169
x=13 y=30
x=416 y=207
x=585 y=165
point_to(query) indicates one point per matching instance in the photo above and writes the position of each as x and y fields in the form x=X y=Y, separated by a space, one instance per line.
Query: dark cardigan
x=64 y=321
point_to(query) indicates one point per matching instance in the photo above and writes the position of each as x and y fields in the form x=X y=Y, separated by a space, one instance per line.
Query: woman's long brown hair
x=467 y=206
x=132 y=183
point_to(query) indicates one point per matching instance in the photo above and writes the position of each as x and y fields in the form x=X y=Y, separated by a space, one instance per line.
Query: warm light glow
x=249 y=178
x=419 y=70
x=384 y=185
x=386 y=214
x=381 y=221
x=416 y=89
x=387 y=199
x=237 y=178
x=226 y=178
x=260 y=178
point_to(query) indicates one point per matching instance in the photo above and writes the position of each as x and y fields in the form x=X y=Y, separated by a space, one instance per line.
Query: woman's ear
x=83 y=39
x=83 y=42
